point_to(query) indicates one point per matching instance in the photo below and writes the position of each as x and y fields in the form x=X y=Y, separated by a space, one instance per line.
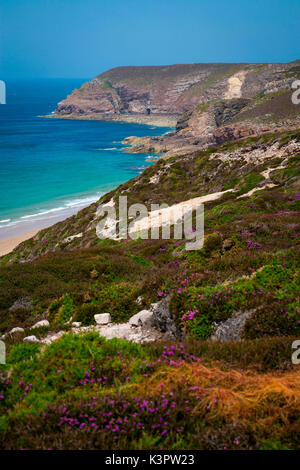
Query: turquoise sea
x=51 y=167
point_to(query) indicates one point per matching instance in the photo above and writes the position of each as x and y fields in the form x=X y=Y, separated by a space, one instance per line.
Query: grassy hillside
x=86 y=392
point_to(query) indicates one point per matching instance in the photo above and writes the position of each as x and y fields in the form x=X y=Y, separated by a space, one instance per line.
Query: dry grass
x=246 y=397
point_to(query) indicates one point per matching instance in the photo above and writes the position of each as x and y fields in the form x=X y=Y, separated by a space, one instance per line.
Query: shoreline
x=12 y=236
x=150 y=120
x=6 y=246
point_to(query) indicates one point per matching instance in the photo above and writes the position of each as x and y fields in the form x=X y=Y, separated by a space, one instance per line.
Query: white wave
x=9 y=224
x=69 y=207
x=83 y=201
x=56 y=209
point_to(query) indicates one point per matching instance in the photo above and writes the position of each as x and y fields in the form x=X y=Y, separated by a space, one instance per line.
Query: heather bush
x=197 y=307
x=60 y=311
x=85 y=314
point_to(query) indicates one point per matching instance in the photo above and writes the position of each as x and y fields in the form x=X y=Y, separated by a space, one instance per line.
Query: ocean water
x=51 y=167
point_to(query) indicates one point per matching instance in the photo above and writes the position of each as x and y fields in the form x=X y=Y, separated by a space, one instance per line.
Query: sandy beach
x=10 y=237
x=6 y=246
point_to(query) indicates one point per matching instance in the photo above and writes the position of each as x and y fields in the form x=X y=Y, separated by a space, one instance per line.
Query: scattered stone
x=140 y=318
x=139 y=300
x=72 y=237
x=52 y=338
x=16 y=330
x=40 y=324
x=22 y=302
x=102 y=318
x=155 y=324
x=31 y=339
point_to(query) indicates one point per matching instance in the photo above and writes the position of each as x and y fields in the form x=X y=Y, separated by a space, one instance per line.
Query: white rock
x=52 y=338
x=125 y=331
x=16 y=330
x=76 y=324
x=69 y=239
x=140 y=318
x=41 y=323
x=102 y=318
x=31 y=339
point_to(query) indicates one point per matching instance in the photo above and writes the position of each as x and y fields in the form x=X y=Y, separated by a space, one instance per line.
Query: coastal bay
x=50 y=169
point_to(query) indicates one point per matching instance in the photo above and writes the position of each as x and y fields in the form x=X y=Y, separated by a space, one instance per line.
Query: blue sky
x=82 y=38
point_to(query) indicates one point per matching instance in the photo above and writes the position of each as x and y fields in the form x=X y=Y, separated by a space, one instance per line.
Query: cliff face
x=173 y=90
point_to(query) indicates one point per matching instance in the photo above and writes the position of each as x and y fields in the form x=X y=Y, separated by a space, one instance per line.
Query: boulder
x=40 y=324
x=16 y=330
x=232 y=328
x=31 y=339
x=102 y=318
x=76 y=324
x=162 y=319
x=141 y=318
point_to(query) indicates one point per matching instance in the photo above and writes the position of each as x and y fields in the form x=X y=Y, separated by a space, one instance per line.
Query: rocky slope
x=207 y=103
x=223 y=120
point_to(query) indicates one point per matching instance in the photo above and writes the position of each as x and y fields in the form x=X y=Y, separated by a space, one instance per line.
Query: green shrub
x=212 y=242
x=60 y=311
x=22 y=352
x=85 y=313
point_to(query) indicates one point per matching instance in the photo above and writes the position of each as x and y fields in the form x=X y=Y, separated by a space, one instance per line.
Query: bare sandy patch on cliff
x=235 y=84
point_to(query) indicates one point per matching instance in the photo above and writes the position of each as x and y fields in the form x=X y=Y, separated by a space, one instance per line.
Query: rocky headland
x=207 y=104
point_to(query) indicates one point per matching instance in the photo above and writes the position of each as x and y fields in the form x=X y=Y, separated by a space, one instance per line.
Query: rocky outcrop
x=155 y=324
x=231 y=329
x=204 y=126
x=162 y=319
